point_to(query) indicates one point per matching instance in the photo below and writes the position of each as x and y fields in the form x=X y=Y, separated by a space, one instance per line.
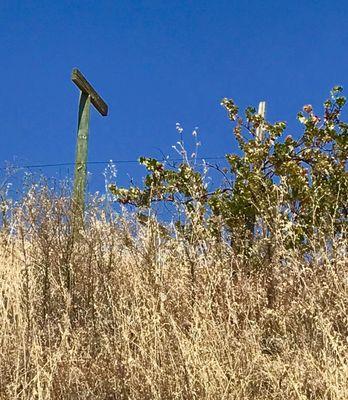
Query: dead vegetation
x=122 y=312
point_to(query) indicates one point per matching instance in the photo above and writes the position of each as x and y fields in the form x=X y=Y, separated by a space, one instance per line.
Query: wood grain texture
x=85 y=87
x=80 y=176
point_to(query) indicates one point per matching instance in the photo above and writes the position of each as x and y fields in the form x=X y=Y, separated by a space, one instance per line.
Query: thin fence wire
x=68 y=164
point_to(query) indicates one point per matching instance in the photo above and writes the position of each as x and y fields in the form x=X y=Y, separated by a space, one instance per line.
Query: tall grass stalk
x=127 y=312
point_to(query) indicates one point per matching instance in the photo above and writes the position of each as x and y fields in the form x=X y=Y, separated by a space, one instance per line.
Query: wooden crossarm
x=82 y=83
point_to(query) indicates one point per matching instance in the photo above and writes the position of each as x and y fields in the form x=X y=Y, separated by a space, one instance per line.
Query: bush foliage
x=299 y=182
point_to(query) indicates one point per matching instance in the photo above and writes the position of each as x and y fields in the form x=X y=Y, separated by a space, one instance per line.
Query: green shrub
x=299 y=182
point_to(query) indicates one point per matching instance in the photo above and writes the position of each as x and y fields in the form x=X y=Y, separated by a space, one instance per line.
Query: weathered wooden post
x=88 y=95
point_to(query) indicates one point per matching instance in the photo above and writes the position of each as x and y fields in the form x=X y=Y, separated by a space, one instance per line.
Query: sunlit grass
x=122 y=312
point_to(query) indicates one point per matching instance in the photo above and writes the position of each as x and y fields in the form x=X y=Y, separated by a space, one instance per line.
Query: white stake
x=262 y=112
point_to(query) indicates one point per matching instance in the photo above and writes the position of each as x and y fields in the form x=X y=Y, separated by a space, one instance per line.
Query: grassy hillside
x=124 y=311
x=243 y=296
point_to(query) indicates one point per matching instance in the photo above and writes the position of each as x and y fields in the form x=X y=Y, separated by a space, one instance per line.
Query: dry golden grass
x=122 y=313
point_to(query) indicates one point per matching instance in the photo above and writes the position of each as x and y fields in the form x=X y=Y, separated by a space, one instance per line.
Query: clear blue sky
x=157 y=63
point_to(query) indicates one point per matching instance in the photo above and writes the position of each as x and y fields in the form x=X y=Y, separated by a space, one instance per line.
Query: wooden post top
x=82 y=83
